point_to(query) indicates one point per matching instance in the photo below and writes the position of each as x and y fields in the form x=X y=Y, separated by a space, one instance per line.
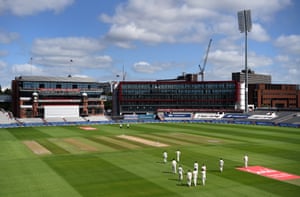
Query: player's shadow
x=161 y=162
x=167 y=172
x=172 y=179
x=214 y=171
x=181 y=184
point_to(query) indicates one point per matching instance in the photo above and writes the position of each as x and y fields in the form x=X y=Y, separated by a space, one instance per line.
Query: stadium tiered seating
x=6 y=120
x=31 y=121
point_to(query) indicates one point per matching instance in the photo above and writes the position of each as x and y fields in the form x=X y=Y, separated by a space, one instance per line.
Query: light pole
x=245 y=26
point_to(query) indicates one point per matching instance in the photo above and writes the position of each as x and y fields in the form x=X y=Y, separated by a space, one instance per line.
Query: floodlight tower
x=245 y=26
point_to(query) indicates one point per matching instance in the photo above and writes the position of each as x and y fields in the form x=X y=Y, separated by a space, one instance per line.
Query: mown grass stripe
x=52 y=147
x=107 y=143
x=66 y=146
x=103 y=142
x=165 y=140
x=248 y=133
x=28 y=133
x=191 y=138
x=121 y=143
x=141 y=172
x=198 y=129
x=103 y=178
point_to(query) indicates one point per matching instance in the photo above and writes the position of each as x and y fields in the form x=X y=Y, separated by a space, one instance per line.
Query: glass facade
x=56 y=91
x=143 y=97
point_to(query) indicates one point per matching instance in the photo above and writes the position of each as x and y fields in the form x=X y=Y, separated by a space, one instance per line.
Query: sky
x=138 y=40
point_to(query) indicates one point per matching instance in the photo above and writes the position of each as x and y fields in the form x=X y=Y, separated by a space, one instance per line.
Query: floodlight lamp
x=244 y=20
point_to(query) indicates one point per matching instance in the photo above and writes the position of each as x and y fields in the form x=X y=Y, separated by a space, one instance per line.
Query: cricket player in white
x=189 y=178
x=174 y=163
x=180 y=173
x=165 y=156
x=203 y=172
x=178 y=153
x=246 y=161
x=195 y=176
x=196 y=165
x=203 y=167
x=221 y=164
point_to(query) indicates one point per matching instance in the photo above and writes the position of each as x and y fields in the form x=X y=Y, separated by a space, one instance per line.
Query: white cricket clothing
x=189 y=178
x=246 y=161
x=174 y=163
x=203 y=172
x=195 y=177
x=180 y=173
x=165 y=156
x=178 y=153
x=221 y=165
x=196 y=165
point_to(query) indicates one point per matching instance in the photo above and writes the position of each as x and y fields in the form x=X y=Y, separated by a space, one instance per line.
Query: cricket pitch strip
x=143 y=141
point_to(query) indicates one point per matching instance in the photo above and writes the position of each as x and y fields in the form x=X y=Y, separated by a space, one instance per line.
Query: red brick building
x=274 y=95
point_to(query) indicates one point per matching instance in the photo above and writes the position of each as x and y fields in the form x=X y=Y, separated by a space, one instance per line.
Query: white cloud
x=225 y=58
x=289 y=71
x=132 y=32
x=70 y=51
x=289 y=44
x=29 y=7
x=288 y=58
x=157 y=21
x=145 y=67
x=221 y=63
x=258 y=33
x=265 y=8
x=2 y=65
x=69 y=46
x=258 y=61
x=8 y=37
x=26 y=69
x=282 y=58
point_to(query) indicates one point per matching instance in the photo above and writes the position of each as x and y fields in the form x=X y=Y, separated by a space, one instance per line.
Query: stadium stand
x=208 y=115
x=74 y=119
x=7 y=120
x=5 y=117
x=177 y=116
x=31 y=121
x=267 y=116
x=97 y=119
x=278 y=118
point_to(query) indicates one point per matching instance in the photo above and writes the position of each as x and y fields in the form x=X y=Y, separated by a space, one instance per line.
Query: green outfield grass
x=100 y=163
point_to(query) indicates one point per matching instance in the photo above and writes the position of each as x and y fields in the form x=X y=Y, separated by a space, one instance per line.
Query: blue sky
x=151 y=39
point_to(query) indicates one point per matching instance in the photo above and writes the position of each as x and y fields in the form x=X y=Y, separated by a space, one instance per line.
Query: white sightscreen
x=61 y=111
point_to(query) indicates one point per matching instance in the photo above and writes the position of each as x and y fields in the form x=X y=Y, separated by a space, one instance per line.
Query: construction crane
x=202 y=68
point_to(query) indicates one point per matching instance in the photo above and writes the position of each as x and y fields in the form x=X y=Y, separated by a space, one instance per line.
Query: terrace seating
x=31 y=121
x=74 y=119
x=5 y=118
x=55 y=119
x=97 y=118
